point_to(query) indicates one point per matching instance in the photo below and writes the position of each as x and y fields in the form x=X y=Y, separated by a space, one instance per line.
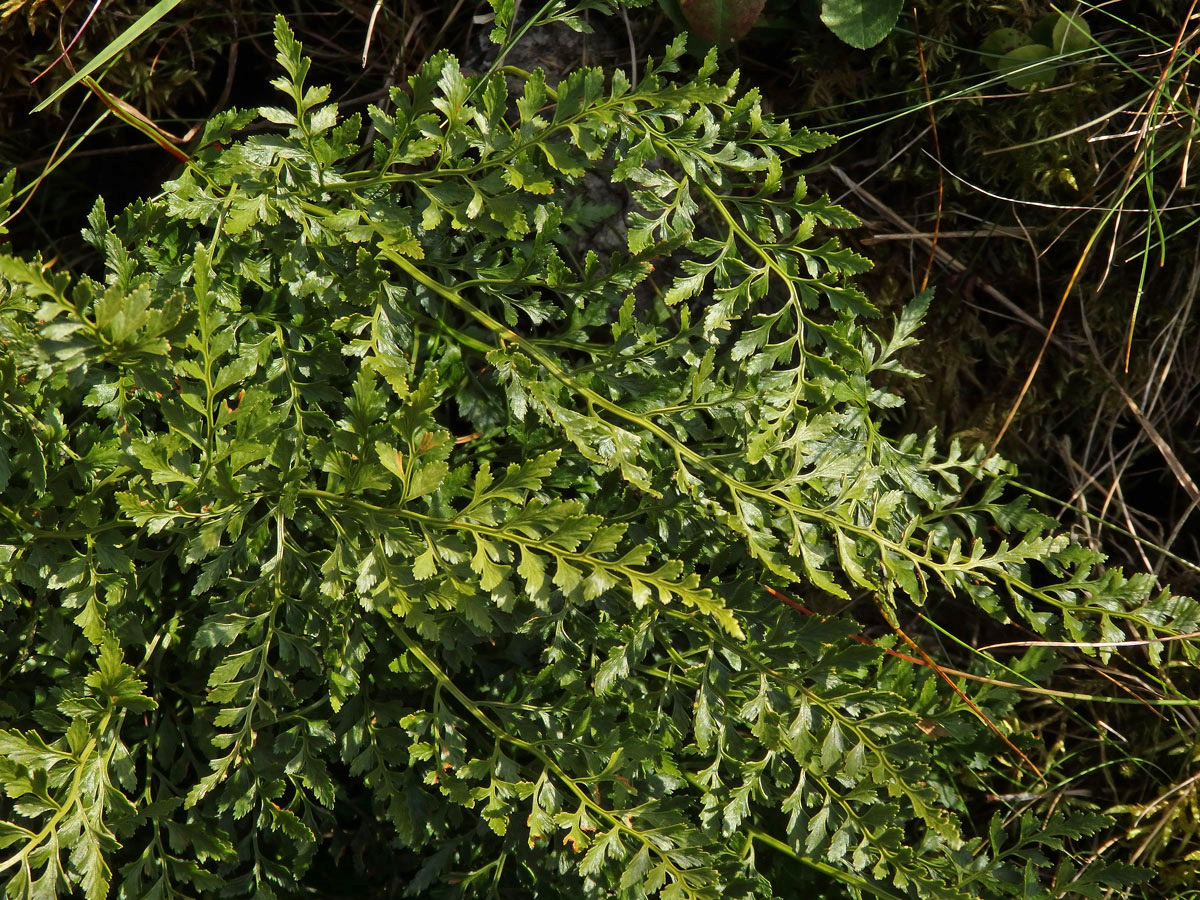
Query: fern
x=359 y=490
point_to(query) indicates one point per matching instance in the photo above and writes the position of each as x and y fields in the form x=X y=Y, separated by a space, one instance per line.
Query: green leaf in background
x=1071 y=35
x=861 y=23
x=721 y=21
x=1000 y=42
x=1027 y=67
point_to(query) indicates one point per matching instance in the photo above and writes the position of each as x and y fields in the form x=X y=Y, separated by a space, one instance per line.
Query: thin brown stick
x=983 y=679
x=945 y=676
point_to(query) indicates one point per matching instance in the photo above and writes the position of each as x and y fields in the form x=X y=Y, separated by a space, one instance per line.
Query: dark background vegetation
x=1021 y=198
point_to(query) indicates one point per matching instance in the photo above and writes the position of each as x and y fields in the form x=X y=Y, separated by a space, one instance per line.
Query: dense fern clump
x=363 y=530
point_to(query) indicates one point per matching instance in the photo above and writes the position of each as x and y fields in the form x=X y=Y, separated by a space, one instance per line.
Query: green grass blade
x=127 y=37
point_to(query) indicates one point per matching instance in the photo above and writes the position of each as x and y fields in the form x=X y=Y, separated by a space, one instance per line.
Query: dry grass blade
x=67 y=49
x=940 y=253
x=1049 y=332
x=370 y=31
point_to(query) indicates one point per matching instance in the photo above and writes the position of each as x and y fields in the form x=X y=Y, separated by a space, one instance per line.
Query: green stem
x=735 y=487
x=823 y=867
x=63 y=808
x=534 y=750
x=491 y=531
